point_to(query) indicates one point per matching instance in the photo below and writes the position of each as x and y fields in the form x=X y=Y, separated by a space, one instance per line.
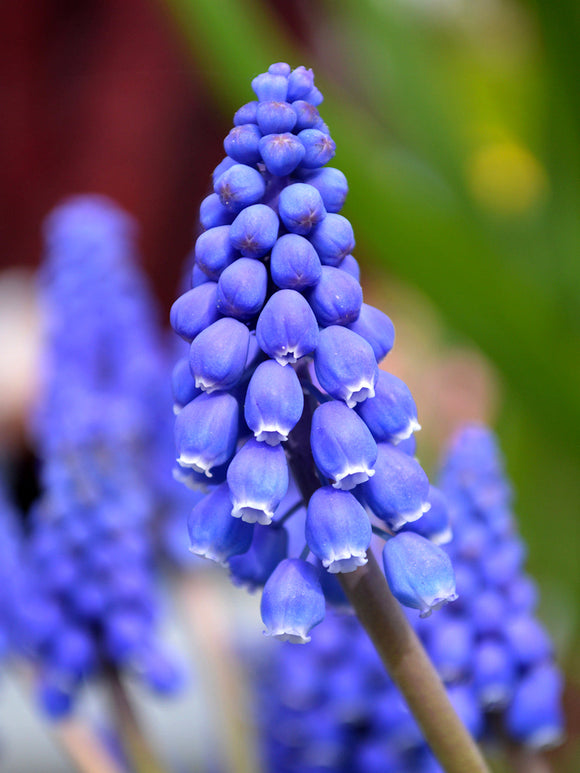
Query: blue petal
x=217 y=357
x=287 y=328
x=274 y=402
x=258 y=480
x=345 y=365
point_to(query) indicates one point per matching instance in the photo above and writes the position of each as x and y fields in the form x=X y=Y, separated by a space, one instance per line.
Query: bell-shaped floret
x=345 y=365
x=274 y=402
x=494 y=673
x=300 y=83
x=182 y=384
x=307 y=116
x=292 y=601
x=419 y=573
x=213 y=533
x=336 y=299
x=333 y=239
x=435 y=524
x=72 y=653
x=258 y=480
x=374 y=326
x=319 y=148
x=206 y=431
x=342 y=446
x=213 y=213
x=255 y=230
x=451 y=643
x=241 y=144
x=399 y=490
x=246 y=114
x=281 y=153
x=241 y=290
x=338 y=530
x=275 y=117
x=332 y=185
x=214 y=251
x=217 y=357
x=287 y=328
x=528 y=640
x=240 y=186
x=300 y=208
x=294 y=263
x=391 y=415
x=535 y=717
x=195 y=310
x=269 y=547
x=271 y=86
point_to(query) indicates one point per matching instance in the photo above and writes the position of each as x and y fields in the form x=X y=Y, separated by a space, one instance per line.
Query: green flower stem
x=410 y=668
x=137 y=748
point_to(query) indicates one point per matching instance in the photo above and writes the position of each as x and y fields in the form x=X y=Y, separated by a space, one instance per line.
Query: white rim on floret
x=400 y=519
x=208 y=388
x=412 y=426
x=351 y=477
x=545 y=738
x=253 y=512
x=494 y=696
x=209 y=554
x=442 y=537
x=358 y=393
x=287 y=357
x=344 y=562
x=437 y=602
x=272 y=434
x=294 y=635
x=196 y=463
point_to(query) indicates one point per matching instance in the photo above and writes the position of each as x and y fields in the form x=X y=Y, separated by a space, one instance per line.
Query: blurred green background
x=458 y=127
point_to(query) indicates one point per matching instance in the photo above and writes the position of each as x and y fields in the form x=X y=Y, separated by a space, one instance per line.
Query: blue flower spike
x=292 y=601
x=278 y=326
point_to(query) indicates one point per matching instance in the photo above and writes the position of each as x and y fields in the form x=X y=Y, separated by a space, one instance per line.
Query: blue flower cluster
x=499 y=645
x=91 y=604
x=11 y=577
x=282 y=386
x=333 y=707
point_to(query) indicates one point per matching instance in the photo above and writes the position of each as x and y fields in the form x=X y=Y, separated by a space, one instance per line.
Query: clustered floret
x=91 y=602
x=335 y=708
x=281 y=394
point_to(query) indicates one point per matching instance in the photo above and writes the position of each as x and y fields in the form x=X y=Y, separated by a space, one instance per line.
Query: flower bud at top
x=281 y=153
x=336 y=298
x=214 y=251
x=213 y=213
x=300 y=207
x=333 y=239
x=239 y=187
x=254 y=231
x=241 y=144
x=294 y=264
x=332 y=185
x=241 y=289
x=269 y=86
x=246 y=114
x=195 y=310
x=300 y=83
x=319 y=148
x=275 y=117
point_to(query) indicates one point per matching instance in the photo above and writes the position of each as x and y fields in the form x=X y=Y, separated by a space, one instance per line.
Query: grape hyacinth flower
x=274 y=270
x=89 y=558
